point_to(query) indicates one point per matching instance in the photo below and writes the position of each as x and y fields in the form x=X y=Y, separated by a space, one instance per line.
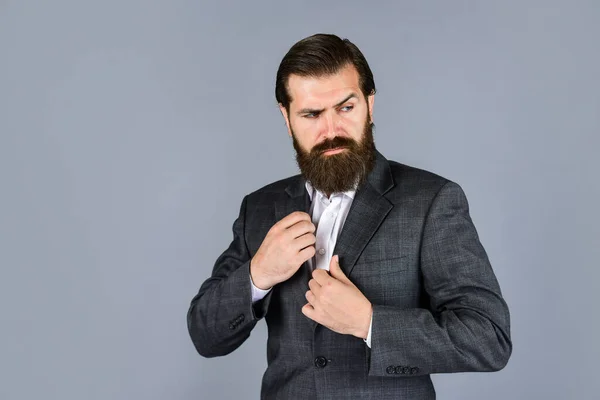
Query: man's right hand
x=288 y=244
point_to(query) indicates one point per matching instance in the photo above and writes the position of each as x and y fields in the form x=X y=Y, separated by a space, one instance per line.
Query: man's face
x=330 y=123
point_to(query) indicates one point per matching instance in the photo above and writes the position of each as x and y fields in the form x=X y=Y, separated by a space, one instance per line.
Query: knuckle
x=301 y=225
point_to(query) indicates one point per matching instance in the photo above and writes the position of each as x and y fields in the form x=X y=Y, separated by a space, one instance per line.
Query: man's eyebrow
x=317 y=111
x=351 y=95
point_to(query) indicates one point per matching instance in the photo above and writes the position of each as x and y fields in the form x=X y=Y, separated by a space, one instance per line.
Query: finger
x=312 y=313
x=300 y=228
x=315 y=287
x=308 y=239
x=336 y=271
x=310 y=297
x=292 y=219
x=309 y=311
x=305 y=254
x=321 y=276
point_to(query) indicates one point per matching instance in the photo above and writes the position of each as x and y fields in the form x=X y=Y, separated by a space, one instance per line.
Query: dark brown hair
x=320 y=55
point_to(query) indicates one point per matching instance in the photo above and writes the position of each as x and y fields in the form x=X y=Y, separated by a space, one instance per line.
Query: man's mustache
x=334 y=143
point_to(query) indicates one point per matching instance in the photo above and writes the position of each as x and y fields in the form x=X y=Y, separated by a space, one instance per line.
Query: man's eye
x=310 y=115
x=347 y=108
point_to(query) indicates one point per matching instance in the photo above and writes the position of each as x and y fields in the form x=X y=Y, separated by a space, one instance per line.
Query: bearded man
x=369 y=272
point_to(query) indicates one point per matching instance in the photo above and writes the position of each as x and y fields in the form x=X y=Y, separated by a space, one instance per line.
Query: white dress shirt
x=328 y=215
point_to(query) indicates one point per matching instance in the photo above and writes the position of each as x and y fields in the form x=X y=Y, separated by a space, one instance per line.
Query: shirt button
x=321 y=251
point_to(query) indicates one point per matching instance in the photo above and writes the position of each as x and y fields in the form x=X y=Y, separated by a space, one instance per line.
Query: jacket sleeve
x=467 y=325
x=222 y=314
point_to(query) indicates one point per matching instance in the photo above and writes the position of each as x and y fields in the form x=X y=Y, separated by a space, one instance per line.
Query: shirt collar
x=311 y=191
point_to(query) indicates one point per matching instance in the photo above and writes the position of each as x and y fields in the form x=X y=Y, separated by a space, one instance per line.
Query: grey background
x=130 y=131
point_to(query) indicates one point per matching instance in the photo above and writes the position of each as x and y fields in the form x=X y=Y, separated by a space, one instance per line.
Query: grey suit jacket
x=410 y=246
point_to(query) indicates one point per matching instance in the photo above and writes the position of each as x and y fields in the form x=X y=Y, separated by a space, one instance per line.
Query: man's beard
x=337 y=172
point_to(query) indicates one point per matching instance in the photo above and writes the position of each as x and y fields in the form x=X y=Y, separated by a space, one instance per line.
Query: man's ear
x=286 y=118
x=371 y=102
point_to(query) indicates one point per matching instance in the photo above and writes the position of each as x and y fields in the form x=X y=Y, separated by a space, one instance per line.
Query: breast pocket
x=392 y=281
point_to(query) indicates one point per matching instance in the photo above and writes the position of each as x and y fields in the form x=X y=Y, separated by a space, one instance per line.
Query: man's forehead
x=324 y=89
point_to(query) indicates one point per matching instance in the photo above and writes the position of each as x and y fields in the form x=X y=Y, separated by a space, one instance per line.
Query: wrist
x=257 y=279
x=363 y=332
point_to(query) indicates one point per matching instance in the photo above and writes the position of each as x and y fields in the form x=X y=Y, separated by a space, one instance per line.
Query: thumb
x=335 y=270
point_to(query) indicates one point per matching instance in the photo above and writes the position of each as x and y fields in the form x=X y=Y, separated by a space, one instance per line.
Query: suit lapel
x=368 y=210
x=297 y=199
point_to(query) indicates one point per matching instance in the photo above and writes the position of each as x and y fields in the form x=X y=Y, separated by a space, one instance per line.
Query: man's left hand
x=335 y=302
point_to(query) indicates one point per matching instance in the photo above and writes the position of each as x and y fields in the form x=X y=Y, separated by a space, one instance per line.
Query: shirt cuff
x=258 y=294
x=368 y=339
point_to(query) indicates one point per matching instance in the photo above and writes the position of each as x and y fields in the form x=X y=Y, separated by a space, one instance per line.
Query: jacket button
x=390 y=369
x=414 y=370
x=232 y=326
x=398 y=369
x=320 y=362
x=405 y=370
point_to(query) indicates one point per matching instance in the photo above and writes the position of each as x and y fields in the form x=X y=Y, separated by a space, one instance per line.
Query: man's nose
x=331 y=123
